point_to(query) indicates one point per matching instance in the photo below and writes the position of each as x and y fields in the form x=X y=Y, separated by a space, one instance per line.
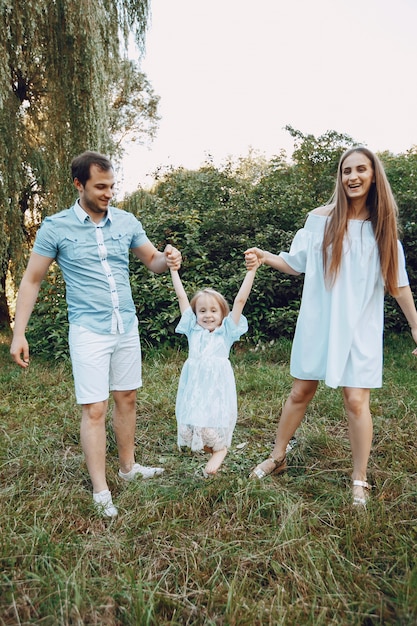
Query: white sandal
x=278 y=468
x=358 y=501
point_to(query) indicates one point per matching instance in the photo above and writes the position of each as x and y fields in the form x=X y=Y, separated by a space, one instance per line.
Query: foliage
x=184 y=550
x=316 y=160
x=402 y=174
x=134 y=107
x=47 y=331
x=212 y=215
x=65 y=86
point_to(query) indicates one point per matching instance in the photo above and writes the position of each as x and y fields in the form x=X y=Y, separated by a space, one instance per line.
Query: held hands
x=173 y=257
x=254 y=257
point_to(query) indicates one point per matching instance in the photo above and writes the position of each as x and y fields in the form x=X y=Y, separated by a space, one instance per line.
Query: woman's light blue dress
x=338 y=337
x=206 y=406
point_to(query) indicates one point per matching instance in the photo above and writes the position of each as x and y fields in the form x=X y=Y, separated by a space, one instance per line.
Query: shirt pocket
x=75 y=248
x=119 y=243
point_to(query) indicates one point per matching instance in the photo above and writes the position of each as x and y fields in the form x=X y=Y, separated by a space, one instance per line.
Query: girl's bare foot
x=215 y=461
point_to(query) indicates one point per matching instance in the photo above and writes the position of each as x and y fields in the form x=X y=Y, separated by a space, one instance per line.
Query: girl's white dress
x=339 y=330
x=206 y=406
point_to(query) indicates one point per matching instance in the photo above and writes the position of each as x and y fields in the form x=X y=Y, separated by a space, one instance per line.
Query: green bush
x=212 y=240
x=47 y=331
x=212 y=216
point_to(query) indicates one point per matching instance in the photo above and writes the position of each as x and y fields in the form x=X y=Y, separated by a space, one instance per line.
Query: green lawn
x=184 y=550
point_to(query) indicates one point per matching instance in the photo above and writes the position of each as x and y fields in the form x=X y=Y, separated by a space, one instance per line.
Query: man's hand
x=19 y=350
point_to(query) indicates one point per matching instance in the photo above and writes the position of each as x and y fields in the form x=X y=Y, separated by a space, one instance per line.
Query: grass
x=287 y=551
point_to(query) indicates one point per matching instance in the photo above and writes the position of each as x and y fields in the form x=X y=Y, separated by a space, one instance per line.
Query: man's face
x=97 y=193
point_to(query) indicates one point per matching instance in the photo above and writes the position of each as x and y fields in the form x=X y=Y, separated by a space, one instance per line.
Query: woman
x=350 y=255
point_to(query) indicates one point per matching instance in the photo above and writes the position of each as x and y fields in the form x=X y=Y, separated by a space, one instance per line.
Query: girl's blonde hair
x=222 y=302
x=383 y=212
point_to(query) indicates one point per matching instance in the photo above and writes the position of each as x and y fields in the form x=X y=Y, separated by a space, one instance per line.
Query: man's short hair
x=81 y=165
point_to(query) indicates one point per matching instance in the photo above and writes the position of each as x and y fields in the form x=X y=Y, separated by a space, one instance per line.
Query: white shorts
x=103 y=363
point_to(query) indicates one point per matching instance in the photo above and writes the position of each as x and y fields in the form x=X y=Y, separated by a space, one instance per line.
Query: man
x=91 y=242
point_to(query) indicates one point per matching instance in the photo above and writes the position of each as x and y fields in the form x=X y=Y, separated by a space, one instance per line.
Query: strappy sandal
x=357 y=501
x=280 y=467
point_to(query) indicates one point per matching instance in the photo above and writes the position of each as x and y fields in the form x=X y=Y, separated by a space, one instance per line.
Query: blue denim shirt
x=94 y=259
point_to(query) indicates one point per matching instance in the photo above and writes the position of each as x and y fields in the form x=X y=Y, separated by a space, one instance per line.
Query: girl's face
x=208 y=312
x=357 y=176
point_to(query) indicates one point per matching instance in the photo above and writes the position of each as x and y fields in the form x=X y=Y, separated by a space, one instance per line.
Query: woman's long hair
x=383 y=213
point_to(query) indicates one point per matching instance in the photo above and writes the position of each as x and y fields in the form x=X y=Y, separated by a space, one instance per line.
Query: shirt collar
x=82 y=215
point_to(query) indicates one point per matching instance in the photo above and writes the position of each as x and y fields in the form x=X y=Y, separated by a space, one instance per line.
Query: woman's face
x=357 y=176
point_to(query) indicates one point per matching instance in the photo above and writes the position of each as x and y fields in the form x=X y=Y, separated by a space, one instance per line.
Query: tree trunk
x=4 y=306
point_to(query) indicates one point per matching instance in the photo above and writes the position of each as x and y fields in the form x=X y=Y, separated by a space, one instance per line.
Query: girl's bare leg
x=211 y=438
x=215 y=461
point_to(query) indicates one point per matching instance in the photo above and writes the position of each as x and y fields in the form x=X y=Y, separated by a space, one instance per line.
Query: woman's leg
x=294 y=409
x=360 y=432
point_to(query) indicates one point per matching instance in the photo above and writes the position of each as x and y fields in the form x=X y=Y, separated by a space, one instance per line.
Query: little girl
x=206 y=406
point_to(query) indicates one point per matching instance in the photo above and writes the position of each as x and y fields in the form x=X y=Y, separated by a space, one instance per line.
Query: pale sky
x=231 y=74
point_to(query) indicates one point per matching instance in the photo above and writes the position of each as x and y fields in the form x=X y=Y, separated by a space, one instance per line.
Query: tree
x=66 y=85
x=316 y=160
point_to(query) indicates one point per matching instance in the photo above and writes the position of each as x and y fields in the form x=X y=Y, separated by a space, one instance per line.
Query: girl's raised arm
x=179 y=290
x=245 y=289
